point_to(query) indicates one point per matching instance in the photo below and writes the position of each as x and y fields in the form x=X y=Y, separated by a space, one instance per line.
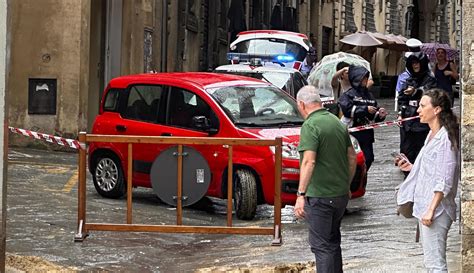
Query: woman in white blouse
x=433 y=179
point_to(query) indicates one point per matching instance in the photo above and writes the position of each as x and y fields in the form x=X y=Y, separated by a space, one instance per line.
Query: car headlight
x=355 y=144
x=288 y=150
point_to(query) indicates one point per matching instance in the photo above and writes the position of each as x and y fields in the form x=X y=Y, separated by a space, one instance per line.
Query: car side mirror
x=203 y=124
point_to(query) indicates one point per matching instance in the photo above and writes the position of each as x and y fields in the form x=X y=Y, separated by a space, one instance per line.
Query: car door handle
x=166 y=134
x=121 y=128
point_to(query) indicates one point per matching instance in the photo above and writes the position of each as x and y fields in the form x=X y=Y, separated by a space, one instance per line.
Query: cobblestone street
x=42 y=215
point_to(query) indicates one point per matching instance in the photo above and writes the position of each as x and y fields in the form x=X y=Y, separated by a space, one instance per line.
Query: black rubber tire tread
x=120 y=188
x=246 y=207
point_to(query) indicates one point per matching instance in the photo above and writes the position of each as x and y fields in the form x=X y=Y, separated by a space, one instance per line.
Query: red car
x=201 y=105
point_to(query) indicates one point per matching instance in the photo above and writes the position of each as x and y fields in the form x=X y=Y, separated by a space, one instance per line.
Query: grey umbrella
x=361 y=38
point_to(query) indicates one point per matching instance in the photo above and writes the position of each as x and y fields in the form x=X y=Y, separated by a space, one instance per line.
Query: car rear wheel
x=108 y=176
x=245 y=194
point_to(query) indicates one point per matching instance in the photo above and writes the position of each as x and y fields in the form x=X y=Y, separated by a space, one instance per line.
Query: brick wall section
x=467 y=134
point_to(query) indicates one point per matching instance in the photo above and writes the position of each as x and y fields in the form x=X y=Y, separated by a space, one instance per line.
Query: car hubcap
x=106 y=174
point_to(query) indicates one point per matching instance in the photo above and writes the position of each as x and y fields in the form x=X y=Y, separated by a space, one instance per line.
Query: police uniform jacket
x=355 y=101
x=421 y=81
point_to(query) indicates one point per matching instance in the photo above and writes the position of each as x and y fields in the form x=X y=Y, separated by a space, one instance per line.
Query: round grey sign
x=164 y=176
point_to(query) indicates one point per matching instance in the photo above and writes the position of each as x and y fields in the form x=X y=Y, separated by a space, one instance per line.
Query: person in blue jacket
x=360 y=107
x=413 y=133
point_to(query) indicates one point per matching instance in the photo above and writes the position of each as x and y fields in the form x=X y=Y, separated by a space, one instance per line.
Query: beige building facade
x=65 y=51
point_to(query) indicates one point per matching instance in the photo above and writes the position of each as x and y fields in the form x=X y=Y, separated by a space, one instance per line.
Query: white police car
x=271 y=70
x=290 y=47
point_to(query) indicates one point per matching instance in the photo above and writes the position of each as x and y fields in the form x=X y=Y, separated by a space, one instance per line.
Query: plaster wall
x=46 y=35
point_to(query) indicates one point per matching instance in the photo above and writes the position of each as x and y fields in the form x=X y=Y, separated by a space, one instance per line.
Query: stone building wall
x=467 y=135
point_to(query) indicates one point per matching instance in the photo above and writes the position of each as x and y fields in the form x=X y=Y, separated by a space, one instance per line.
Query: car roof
x=245 y=67
x=294 y=37
x=201 y=80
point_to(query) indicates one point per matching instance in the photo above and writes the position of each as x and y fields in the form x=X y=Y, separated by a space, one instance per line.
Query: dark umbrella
x=391 y=42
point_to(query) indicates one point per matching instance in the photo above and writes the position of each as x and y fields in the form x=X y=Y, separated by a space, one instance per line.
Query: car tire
x=245 y=194
x=108 y=176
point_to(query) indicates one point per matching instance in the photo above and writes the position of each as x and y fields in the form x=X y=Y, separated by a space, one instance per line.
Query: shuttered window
x=369 y=22
x=348 y=15
x=443 y=22
x=394 y=17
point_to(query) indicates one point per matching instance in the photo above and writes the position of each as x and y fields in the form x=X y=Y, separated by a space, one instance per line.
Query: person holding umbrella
x=360 y=107
x=446 y=73
x=340 y=81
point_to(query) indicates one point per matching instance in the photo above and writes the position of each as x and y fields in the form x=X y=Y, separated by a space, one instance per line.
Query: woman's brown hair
x=447 y=118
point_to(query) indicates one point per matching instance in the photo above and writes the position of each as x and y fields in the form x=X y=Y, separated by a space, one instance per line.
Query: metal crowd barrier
x=84 y=227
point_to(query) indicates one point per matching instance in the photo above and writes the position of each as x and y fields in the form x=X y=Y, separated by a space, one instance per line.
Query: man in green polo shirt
x=327 y=165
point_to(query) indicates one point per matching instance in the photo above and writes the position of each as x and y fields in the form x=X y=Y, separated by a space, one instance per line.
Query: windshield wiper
x=250 y=124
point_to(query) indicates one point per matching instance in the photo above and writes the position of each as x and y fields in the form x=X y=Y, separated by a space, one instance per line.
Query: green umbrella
x=322 y=73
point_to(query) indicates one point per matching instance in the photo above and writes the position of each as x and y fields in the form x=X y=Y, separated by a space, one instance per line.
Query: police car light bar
x=239 y=57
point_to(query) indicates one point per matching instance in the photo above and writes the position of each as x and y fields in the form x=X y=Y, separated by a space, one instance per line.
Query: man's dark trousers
x=324 y=215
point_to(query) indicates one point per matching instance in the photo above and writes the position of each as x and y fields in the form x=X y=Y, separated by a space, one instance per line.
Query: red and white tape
x=71 y=143
x=380 y=124
x=75 y=144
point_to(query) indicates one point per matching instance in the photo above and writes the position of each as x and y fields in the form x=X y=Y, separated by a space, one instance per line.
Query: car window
x=271 y=46
x=183 y=105
x=111 y=100
x=144 y=103
x=281 y=80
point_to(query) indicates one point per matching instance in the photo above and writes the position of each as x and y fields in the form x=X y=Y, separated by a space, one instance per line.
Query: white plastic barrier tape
x=397 y=122
x=75 y=144
x=71 y=143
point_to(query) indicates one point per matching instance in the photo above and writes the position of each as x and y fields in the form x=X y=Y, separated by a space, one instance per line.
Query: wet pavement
x=42 y=215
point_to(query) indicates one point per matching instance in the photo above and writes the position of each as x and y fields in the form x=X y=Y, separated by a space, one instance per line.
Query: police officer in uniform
x=413 y=133
x=359 y=107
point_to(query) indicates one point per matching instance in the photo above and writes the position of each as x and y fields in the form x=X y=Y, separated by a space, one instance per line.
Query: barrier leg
x=81 y=208
x=230 y=186
x=277 y=241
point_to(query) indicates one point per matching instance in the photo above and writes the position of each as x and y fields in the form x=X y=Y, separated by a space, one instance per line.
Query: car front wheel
x=245 y=194
x=108 y=176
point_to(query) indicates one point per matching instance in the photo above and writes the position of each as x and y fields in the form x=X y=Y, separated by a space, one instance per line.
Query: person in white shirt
x=309 y=62
x=340 y=81
x=433 y=179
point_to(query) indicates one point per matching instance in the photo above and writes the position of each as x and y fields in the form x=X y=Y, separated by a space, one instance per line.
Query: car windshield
x=271 y=46
x=257 y=106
